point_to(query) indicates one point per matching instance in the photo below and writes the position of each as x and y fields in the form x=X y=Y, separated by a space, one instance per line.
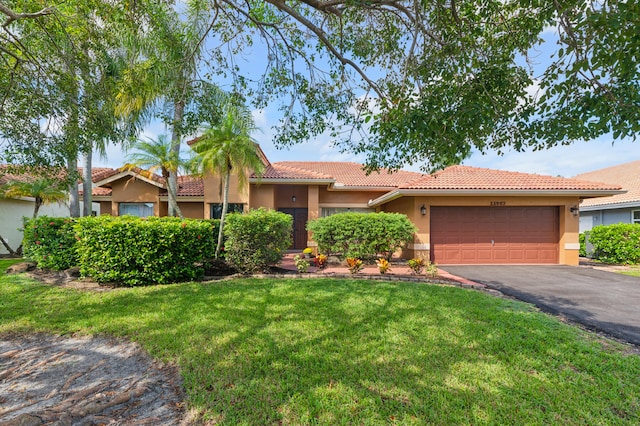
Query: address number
x=498 y=203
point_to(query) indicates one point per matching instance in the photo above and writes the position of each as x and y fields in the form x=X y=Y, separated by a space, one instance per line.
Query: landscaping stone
x=21 y=267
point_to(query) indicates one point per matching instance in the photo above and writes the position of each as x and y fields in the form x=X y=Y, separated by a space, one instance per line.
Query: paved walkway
x=604 y=301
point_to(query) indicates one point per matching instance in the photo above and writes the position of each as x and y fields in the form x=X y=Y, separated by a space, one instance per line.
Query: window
x=216 y=209
x=635 y=216
x=328 y=211
x=136 y=209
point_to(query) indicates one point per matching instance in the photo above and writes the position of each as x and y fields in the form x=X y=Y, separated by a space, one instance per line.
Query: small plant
x=416 y=265
x=320 y=261
x=431 y=270
x=383 y=265
x=302 y=265
x=354 y=264
x=307 y=252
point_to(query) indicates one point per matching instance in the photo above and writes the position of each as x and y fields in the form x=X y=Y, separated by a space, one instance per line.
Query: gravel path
x=52 y=380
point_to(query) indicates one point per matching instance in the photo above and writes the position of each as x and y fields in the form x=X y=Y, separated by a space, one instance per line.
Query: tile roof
x=474 y=178
x=344 y=173
x=626 y=175
x=190 y=186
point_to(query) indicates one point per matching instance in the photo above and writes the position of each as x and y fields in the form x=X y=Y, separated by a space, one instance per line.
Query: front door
x=299 y=227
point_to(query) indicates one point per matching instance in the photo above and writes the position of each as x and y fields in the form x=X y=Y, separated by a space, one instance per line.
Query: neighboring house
x=12 y=211
x=463 y=214
x=619 y=208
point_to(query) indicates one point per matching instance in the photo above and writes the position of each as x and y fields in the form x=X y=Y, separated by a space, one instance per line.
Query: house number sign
x=498 y=203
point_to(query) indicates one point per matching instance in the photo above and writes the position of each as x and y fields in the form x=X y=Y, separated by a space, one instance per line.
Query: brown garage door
x=494 y=235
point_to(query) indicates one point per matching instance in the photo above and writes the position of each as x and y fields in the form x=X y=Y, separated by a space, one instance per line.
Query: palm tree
x=42 y=190
x=158 y=154
x=229 y=148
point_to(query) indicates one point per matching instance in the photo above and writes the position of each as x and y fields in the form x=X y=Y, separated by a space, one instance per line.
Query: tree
x=43 y=190
x=58 y=67
x=163 y=79
x=226 y=149
x=401 y=81
x=157 y=155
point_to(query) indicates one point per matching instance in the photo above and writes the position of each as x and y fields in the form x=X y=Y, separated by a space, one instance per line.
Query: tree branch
x=14 y=16
x=280 y=4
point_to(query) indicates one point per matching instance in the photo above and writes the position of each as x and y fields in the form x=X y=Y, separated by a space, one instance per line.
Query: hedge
x=257 y=240
x=619 y=243
x=139 y=251
x=362 y=235
x=50 y=242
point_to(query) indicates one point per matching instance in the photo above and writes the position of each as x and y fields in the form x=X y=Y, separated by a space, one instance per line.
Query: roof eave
x=126 y=173
x=610 y=206
x=590 y=193
x=296 y=181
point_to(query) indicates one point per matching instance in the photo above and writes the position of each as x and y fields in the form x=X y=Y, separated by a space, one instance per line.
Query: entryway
x=299 y=226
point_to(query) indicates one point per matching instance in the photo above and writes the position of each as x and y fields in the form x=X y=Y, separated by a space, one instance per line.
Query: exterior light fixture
x=574 y=210
x=293 y=198
x=423 y=210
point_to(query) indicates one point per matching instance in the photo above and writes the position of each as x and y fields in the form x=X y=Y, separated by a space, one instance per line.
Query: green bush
x=50 y=242
x=618 y=243
x=257 y=240
x=139 y=251
x=362 y=235
x=583 y=245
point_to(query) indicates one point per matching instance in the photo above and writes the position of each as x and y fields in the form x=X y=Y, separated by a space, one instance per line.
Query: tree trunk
x=36 y=207
x=9 y=249
x=87 y=183
x=74 y=201
x=178 y=115
x=225 y=206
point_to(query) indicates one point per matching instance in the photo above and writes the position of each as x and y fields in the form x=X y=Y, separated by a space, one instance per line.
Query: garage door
x=494 y=235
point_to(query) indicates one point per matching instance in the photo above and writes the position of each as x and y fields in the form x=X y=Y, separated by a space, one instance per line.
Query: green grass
x=320 y=351
x=634 y=271
x=6 y=262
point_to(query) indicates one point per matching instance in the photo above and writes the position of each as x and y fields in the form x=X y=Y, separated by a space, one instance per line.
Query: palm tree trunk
x=178 y=116
x=87 y=184
x=225 y=206
x=36 y=208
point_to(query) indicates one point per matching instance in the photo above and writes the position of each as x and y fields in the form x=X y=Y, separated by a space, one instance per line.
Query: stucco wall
x=590 y=219
x=568 y=223
x=192 y=210
x=12 y=211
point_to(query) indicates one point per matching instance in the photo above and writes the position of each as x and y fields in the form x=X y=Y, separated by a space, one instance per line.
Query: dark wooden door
x=494 y=235
x=299 y=227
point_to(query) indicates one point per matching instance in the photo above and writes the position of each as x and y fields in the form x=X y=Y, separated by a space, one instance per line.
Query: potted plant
x=308 y=252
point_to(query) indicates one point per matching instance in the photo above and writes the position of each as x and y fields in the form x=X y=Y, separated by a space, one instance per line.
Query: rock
x=72 y=272
x=21 y=267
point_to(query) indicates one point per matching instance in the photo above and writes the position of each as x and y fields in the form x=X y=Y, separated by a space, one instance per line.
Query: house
x=619 y=208
x=463 y=214
x=13 y=210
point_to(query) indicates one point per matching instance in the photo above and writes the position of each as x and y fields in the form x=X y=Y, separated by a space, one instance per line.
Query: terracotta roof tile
x=344 y=173
x=473 y=178
x=190 y=186
x=626 y=175
x=99 y=191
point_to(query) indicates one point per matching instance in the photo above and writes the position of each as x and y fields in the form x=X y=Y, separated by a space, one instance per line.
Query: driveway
x=601 y=300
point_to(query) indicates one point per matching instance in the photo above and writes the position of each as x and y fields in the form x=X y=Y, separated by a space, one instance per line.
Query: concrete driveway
x=601 y=300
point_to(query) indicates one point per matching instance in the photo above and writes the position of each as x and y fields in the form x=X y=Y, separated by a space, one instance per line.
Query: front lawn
x=321 y=351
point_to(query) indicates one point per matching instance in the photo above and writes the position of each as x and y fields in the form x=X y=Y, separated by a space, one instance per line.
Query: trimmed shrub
x=362 y=235
x=257 y=240
x=50 y=242
x=619 y=243
x=139 y=251
x=583 y=245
